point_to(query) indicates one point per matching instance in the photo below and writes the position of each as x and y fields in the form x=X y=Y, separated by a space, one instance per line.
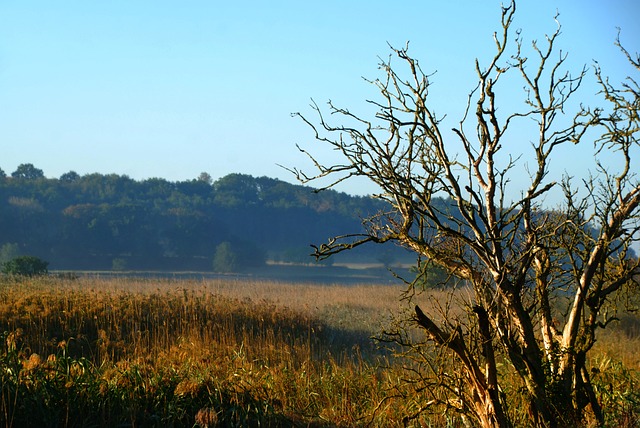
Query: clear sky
x=172 y=89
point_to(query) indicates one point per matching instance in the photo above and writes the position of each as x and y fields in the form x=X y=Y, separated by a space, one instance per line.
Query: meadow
x=106 y=352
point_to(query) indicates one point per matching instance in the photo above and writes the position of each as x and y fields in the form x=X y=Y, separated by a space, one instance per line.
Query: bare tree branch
x=519 y=258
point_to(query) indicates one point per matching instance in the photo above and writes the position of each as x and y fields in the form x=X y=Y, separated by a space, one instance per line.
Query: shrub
x=25 y=266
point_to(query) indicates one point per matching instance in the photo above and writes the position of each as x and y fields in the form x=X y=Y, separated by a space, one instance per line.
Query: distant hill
x=104 y=222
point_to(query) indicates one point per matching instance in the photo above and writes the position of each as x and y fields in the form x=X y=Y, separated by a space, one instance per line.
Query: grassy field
x=161 y=352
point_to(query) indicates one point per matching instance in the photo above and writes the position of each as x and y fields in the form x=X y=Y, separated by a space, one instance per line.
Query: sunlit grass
x=151 y=352
x=123 y=351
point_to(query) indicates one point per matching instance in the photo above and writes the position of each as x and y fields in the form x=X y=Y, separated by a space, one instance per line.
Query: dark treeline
x=99 y=222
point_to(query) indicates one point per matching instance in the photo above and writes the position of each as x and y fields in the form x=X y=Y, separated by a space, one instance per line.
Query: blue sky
x=172 y=89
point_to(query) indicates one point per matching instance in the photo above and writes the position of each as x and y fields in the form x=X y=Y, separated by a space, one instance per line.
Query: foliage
x=85 y=222
x=27 y=171
x=225 y=259
x=25 y=266
x=238 y=256
x=69 y=177
x=429 y=274
x=542 y=282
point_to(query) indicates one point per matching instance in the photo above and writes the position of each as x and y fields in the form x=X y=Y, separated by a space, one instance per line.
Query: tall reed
x=150 y=352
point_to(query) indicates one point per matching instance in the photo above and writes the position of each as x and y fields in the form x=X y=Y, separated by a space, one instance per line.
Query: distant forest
x=113 y=222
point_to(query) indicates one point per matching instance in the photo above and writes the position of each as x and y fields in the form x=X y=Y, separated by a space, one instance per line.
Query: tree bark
x=486 y=398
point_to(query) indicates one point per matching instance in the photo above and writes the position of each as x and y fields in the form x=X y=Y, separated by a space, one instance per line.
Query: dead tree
x=518 y=256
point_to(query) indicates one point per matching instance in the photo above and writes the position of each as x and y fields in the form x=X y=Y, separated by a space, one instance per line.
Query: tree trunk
x=484 y=387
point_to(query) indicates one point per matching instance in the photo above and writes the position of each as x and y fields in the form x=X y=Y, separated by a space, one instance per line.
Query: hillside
x=104 y=222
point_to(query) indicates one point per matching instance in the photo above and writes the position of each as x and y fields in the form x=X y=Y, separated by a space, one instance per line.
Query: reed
x=161 y=352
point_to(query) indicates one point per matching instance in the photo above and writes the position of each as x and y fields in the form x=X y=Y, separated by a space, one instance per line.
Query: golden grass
x=149 y=350
x=157 y=352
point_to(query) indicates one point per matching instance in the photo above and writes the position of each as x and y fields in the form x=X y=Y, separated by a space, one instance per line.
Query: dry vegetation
x=134 y=352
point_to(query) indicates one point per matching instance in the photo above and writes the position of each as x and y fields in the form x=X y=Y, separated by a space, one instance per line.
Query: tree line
x=110 y=221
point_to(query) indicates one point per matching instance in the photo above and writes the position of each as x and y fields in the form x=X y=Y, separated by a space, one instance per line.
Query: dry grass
x=160 y=352
x=141 y=352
